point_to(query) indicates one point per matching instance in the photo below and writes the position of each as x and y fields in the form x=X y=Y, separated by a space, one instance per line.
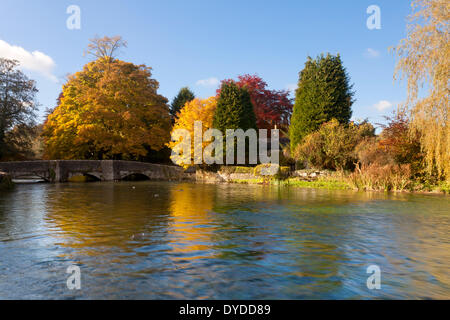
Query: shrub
x=445 y=187
x=333 y=145
x=397 y=141
x=376 y=177
x=368 y=151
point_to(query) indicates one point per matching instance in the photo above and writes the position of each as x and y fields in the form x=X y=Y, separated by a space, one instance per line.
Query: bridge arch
x=136 y=176
x=84 y=177
x=31 y=177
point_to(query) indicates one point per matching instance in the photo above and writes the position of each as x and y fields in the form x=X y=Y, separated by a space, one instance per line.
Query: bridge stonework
x=104 y=170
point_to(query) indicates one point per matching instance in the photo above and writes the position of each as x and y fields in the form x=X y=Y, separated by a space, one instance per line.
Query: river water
x=162 y=240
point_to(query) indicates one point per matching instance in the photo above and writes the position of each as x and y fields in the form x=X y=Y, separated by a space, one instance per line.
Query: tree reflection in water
x=183 y=240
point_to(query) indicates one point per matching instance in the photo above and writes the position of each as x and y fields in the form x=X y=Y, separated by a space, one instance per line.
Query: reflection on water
x=161 y=240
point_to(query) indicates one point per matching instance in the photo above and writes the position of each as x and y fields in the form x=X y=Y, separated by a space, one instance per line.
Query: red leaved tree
x=272 y=107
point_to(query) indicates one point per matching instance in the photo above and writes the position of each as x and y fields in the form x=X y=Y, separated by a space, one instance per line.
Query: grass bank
x=295 y=182
x=376 y=178
x=342 y=181
x=321 y=183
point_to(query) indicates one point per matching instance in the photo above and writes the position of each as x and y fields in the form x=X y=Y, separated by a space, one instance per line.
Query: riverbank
x=320 y=180
x=308 y=178
x=333 y=184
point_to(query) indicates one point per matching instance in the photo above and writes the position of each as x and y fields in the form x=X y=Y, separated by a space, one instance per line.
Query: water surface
x=160 y=240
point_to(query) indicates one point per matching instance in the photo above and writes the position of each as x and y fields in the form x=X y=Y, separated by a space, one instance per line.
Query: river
x=168 y=240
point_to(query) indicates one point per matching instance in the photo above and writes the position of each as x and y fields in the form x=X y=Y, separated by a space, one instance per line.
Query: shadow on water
x=181 y=240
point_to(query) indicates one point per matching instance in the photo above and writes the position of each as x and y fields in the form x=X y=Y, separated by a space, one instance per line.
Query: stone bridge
x=103 y=170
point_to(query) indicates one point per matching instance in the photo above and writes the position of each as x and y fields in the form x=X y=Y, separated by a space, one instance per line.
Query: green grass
x=250 y=181
x=335 y=182
x=317 y=184
x=444 y=187
x=293 y=182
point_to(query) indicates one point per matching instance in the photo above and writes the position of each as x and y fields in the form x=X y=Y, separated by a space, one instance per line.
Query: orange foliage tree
x=195 y=110
x=109 y=110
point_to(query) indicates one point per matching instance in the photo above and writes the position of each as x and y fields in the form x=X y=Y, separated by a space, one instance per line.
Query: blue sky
x=186 y=42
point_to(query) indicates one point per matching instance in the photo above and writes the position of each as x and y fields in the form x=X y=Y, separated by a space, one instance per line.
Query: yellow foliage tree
x=109 y=110
x=195 y=110
x=424 y=59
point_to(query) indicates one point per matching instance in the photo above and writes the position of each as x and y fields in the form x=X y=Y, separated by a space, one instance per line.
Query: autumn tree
x=24 y=143
x=397 y=141
x=424 y=61
x=105 y=48
x=195 y=110
x=17 y=110
x=184 y=95
x=272 y=107
x=324 y=93
x=109 y=110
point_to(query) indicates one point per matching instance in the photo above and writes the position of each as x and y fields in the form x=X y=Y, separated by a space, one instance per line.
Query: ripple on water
x=221 y=242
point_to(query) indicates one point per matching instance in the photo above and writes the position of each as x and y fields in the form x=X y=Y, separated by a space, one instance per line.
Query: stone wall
x=208 y=177
x=224 y=177
x=309 y=174
x=218 y=177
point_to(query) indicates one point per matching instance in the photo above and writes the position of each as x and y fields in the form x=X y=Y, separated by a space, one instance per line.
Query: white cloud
x=33 y=61
x=291 y=87
x=382 y=105
x=372 y=53
x=210 y=82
